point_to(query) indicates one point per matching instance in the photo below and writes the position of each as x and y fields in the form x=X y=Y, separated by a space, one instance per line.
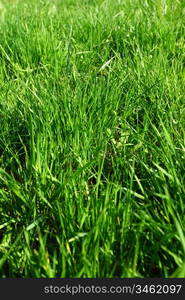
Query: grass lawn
x=92 y=138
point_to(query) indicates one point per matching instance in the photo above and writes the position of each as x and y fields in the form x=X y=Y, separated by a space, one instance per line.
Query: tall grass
x=92 y=139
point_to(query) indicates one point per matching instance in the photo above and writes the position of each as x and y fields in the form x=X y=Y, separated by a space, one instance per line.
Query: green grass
x=92 y=139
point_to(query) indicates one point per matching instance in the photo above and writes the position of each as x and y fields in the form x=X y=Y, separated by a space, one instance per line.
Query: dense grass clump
x=92 y=139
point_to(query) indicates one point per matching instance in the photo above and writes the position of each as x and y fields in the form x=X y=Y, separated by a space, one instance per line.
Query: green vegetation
x=92 y=139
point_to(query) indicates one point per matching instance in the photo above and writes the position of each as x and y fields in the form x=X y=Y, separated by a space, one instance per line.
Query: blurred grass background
x=92 y=140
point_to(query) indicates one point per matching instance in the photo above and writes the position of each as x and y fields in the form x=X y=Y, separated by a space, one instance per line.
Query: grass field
x=92 y=138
